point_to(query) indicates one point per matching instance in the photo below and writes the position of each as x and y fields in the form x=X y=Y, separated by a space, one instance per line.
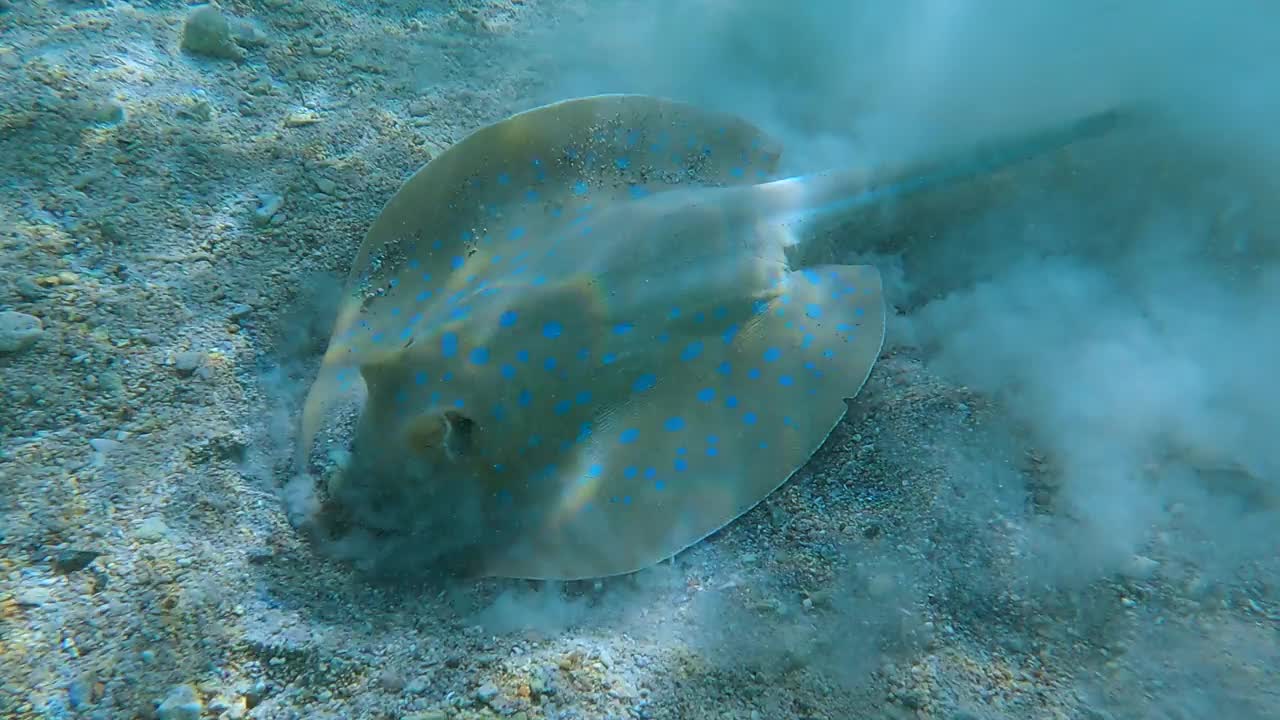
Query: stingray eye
x=460 y=438
x=426 y=433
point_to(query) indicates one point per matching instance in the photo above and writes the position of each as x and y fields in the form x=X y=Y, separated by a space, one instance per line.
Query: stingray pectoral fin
x=708 y=429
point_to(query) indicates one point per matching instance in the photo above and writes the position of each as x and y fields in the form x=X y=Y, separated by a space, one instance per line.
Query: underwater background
x=1057 y=495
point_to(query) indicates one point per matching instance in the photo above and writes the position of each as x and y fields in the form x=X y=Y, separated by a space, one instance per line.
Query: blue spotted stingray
x=592 y=315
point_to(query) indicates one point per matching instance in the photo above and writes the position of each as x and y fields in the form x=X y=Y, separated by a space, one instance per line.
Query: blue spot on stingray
x=682 y=451
x=724 y=368
x=692 y=351
x=628 y=436
x=675 y=313
x=508 y=318
x=402 y=396
x=651 y=472
x=637 y=192
x=449 y=344
x=786 y=380
x=420 y=378
x=584 y=353
x=583 y=397
x=859 y=312
x=446 y=377
x=503 y=179
x=763 y=445
x=737 y=171
x=659 y=485
x=595 y=470
x=549 y=364
x=406 y=333
x=552 y=330
x=435 y=398
x=459 y=403
x=422 y=296
x=707 y=394
x=807 y=340
x=712 y=439
x=534 y=441
x=680 y=465
x=531 y=195
x=456 y=262
x=674 y=423
x=480 y=355
x=844 y=328
x=435 y=245
x=644 y=382
x=580 y=187
x=562 y=407
x=754 y=373
x=395 y=312
x=524 y=398
x=808 y=365
x=508 y=371
x=760 y=306
x=608 y=359
x=812 y=276
x=731 y=402
x=699 y=317
x=459 y=312
x=376 y=337
x=539 y=280
x=749 y=418
x=499 y=412
x=412 y=264
x=630 y=472
x=813 y=311
x=584 y=432
x=522 y=356
x=828 y=353
x=713 y=451
x=623 y=328
x=622 y=163
x=393 y=282
x=772 y=354
x=729 y=334
x=516 y=233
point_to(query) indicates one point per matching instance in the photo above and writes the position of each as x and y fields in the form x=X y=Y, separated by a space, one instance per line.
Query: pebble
x=426 y=715
x=151 y=530
x=207 y=32
x=486 y=692
x=326 y=186
x=188 y=361
x=182 y=703
x=268 y=206
x=18 y=331
x=239 y=310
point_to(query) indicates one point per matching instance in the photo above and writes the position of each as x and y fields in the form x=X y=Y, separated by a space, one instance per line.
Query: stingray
x=595 y=326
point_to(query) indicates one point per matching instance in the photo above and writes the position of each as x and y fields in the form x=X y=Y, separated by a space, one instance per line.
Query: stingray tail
x=810 y=205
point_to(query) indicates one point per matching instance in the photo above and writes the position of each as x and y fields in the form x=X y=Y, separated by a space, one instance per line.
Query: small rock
x=326 y=186
x=18 y=331
x=486 y=692
x=426 y=715
x=207 y=32
x=69 y=561
x=301 y=119
x=420 y=109
x=188 y=361
x=239 y=310
x=268 y=206
x=391 y=681
x=80 y=691
x=151 y=530
x=182 y=703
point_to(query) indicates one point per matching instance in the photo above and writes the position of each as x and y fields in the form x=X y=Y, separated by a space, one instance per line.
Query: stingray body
x=584 y=334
